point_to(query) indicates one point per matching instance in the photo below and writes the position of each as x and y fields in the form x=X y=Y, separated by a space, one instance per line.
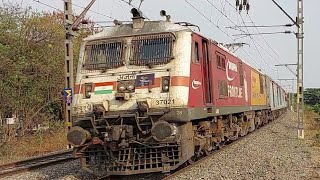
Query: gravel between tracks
x=66 y=171
x=273 y=152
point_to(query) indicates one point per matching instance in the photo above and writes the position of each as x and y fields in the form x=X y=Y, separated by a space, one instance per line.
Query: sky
x=262 y=52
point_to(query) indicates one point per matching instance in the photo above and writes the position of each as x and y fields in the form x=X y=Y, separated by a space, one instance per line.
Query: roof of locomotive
x=128 y=30
x=150 y=27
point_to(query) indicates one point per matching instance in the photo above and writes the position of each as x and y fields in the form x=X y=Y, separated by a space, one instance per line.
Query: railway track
x=35 y=162
x=205 y=158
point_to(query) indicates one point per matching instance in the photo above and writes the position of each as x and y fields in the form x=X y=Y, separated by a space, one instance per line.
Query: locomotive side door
x=201 y=74
x=207 y=74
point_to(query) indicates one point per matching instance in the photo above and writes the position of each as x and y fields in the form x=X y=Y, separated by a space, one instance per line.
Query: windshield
x=103 y=55
x=151 y=50
x=145 y=50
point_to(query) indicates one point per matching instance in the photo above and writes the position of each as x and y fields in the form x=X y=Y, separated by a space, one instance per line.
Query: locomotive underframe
x=141 y=153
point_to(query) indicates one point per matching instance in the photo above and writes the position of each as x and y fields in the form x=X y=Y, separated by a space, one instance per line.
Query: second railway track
x=35 y=162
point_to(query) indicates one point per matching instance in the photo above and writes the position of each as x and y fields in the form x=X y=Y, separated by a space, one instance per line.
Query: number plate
x=82 y=109
x=160 y=102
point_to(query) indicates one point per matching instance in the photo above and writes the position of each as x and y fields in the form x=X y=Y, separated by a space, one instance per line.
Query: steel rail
x=35 y=162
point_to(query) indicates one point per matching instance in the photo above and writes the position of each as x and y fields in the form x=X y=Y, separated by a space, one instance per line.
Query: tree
x=32 y=63
x=312 y=96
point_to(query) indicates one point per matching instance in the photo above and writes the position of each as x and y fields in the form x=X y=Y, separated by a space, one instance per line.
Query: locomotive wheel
x=220 y=145
x=244 y=131
x=209 y=152
x=192 y=160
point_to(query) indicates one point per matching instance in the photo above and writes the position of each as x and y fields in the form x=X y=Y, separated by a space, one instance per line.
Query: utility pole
x=300 y=88
x=69 y=83
x=71 y=25
x=300 y=99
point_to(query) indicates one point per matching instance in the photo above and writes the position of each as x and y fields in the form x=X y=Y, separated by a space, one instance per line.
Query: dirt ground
x=19 y=148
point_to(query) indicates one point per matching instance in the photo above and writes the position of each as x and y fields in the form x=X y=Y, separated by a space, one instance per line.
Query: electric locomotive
x=153 y=95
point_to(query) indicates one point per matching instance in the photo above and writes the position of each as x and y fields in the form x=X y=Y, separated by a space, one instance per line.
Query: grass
x=312 y=124
x=40 y=143
x=312 y=138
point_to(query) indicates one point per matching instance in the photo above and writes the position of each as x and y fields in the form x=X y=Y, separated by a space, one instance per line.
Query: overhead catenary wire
x=240 y=30
x=265 y=33
x=98 y=13
x=38 y=1
x=264 y=26
x=253 y=41
x=52 y=7
x=265 y=41
x=215 y=25
x=270 y=46
x=255 y=45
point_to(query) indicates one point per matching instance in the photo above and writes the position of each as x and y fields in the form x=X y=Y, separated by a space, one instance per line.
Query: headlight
x=121 y=87
x=126 y=86
x=130 y=86
x=165 y=83
x=87 y=90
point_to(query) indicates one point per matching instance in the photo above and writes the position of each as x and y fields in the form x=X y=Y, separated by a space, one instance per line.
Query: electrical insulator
x=84 y=21
x=245 y=2
x=248 y=7
x=237 y=3
x=240 y=7
x=75 y=28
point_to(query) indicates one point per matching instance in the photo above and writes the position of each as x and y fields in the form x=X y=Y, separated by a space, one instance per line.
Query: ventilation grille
x=151 y=50
x=103 y=55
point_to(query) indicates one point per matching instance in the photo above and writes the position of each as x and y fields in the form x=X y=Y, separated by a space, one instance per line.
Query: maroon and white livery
x=153 y=95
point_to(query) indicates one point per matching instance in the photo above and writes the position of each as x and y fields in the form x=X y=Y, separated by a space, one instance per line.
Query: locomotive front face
x=118 y=73
x=130 y=107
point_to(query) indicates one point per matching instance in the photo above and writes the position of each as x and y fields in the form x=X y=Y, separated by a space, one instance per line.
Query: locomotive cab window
x=196 y=57
x=151 y=50
x=221 y=61
x=103 y=54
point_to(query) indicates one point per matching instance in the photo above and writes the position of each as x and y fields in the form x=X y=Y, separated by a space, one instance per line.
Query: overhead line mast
x=70 y=26
x=300 y=88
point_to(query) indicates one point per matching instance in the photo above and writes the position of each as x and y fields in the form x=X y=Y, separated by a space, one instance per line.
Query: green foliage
x=32 y=63
x=312 y=98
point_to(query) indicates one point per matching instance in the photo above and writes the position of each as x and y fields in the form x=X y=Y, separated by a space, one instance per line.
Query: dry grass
x=312 y=138
x=312 y=124
x=33 y=145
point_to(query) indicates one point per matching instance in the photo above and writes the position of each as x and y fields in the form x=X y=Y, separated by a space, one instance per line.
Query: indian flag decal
x=103 y=88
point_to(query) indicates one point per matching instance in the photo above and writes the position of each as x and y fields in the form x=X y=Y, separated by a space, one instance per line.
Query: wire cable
x=215 y=25
x=255 y=45
x=264 y=40
x=265 y=26
x=48 y=5
x=110 y=17
x=38 y=1
x=240 y=30
x=270 y=45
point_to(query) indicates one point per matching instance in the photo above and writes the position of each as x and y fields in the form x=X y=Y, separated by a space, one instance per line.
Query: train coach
x=151 y=96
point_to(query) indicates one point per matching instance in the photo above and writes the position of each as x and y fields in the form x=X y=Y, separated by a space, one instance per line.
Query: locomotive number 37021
x=164 y=101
